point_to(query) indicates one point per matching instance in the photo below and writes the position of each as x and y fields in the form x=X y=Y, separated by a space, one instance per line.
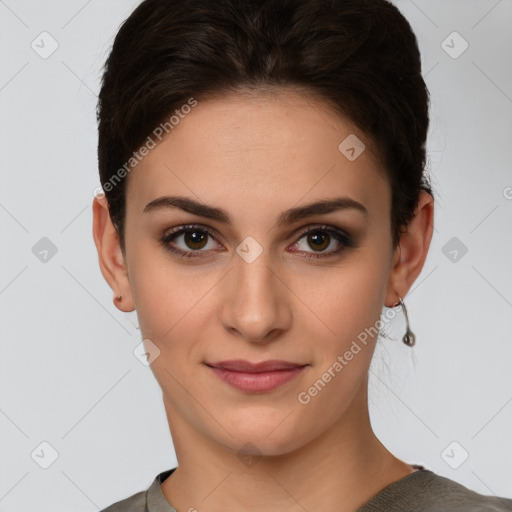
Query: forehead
x=256 y=146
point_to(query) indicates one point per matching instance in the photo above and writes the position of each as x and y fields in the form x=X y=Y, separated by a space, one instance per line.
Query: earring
x=119 y=297
x=409 y=338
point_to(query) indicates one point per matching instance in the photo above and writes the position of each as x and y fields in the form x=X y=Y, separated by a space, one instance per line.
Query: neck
x=341 y=469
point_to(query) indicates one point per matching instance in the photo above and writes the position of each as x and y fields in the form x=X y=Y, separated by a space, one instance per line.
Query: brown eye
x=318 y=241
x=194 y=240
x=320 y=238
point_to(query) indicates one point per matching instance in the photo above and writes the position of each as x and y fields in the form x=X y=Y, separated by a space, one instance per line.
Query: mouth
x=256 y=377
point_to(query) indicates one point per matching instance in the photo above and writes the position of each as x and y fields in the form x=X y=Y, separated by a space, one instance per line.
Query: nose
x=255 y=301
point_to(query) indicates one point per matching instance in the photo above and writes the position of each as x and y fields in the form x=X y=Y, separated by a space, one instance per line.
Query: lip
x=241 y=365
x=256 y=377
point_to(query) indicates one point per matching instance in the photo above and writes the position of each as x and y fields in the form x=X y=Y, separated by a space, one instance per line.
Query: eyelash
x=338 y=235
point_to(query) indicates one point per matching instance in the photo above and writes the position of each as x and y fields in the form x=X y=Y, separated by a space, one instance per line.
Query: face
x=254 y=283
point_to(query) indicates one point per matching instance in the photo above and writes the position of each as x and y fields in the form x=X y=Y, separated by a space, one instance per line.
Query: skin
x=256 y=155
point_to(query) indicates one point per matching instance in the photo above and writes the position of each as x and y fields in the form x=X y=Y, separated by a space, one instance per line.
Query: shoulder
x=141 y=501
x=456 y=497
x=135 y=503
x=425 y=491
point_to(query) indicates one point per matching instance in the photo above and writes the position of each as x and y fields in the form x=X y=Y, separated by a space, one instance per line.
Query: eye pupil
x=194 y=239
x=317 y=239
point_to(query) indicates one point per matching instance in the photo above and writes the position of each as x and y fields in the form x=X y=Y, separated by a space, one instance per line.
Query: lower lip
x=257 y=382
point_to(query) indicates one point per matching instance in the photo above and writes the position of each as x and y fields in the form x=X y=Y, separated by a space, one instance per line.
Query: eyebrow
x=287 y=217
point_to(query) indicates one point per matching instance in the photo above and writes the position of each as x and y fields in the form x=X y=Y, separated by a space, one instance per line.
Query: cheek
x=349 y=306
x=160 y=292
x=351 y=299
x=167 y=309
x=174 y=304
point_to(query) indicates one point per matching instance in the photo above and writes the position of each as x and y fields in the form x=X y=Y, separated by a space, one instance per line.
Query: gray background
x=68 y=376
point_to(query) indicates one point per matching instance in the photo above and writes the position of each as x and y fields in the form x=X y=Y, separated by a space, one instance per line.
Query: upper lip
x=240 y=365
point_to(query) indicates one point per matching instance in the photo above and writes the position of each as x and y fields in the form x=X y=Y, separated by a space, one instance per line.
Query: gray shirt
x=421 y=491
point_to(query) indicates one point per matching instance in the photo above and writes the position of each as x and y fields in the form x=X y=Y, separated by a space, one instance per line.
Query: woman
x=265 y=196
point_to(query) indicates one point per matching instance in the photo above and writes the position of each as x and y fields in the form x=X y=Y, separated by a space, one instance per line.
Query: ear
x=111 y=258
x=411 y=252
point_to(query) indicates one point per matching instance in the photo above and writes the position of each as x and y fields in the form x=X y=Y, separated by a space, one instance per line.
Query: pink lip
x=256 y=377
x=241 y=365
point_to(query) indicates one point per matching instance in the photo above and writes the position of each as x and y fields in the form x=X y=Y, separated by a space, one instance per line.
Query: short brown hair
x=361 y=56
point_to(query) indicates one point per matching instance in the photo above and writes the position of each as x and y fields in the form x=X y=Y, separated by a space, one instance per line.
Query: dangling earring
x=409 y=338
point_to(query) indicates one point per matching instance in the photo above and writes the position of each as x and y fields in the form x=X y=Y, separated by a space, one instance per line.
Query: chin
x=259 y=435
